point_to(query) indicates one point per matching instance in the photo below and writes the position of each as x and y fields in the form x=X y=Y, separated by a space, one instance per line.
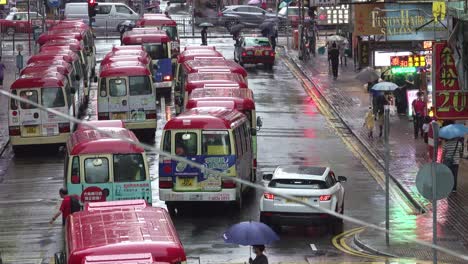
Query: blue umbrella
x=453 y=131
x=250 y=233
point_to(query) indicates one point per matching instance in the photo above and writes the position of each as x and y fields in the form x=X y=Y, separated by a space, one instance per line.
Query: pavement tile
x=350 y=100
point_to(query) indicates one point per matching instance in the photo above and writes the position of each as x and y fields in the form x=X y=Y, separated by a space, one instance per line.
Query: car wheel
x=10 y=31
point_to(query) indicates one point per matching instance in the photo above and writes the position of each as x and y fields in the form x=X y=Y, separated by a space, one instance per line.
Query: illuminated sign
x=427 y=45
x=397 y=70
x=3 y=2
x=408 y=61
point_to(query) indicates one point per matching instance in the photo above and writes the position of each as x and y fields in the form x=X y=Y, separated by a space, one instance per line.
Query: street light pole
x=387 y=174
x=435 y=131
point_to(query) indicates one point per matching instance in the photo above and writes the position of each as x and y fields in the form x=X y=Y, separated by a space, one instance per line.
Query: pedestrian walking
x=369 y=122
x=204 y=36
x=452 y=151
x=70 y=204
x=379 y=101
x=259 y=257
x=2 y=71
x=419 y=110
x=334 y=58
x=342 y=50
x=427 y=123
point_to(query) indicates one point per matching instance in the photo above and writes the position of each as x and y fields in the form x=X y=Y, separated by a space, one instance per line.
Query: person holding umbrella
x=259 y=257
x=204 y=36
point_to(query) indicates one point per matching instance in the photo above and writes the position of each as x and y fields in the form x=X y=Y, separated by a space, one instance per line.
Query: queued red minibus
x=192 y=54
x=126 y=93
x=121 y=230
x=157 y=44
x=28 y=125
x=201 y=79
x=100 y=124
x=240 y=99
x=164 y=23
x=217 y=138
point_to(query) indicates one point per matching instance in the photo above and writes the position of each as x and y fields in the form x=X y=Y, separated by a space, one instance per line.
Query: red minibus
x=112 y=205
x=129 y=230
x=117 y=48
x=240 y=99
x=100 y=124
x=164 y=23
x=200 y=80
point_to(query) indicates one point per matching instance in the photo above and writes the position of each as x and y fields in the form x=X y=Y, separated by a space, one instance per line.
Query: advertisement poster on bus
x=449 y=99
x=182 y=169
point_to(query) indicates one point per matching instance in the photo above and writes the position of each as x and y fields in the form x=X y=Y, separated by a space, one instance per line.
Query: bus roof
x=156 y=21
x=117 y=48
x=61 y=46
x=242 y=98
x=146 y=258
x=156 y=36
x=127 y=52
x=119 y=58
x=37 y=81
x=101 y=124
x=199 y=48
x=200 y=80
x=116 y=205
x=47 y=36
x=194 y=66
x=191 y=54
x=94 y=142
x=60 y=42
x=206 y=118
x=64 y=70
x=148 y=230
x=49 y=63
x=51 y=57
x=125 y=68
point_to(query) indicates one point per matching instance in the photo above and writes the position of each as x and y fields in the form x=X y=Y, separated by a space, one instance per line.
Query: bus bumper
x=162 y=85
x=23 y=141
x=149 y=124
x=169 y=195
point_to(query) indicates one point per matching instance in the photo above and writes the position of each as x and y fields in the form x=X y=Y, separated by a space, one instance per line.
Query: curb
x=413 y=201
x=358 y=241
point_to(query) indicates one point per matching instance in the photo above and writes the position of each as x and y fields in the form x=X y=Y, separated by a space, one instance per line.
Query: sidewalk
x=350 y=100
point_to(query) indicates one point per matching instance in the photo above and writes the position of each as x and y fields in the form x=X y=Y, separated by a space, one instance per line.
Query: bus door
x=118 y=99
x=131 y=177
x=96 y=180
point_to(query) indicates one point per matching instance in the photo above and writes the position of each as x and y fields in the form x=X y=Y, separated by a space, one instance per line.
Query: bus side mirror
x=259 y=122
x=267 y=176
x=59 y=258
x=72 y=90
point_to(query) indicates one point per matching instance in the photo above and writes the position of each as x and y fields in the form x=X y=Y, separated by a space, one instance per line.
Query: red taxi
x=116 y=230
x=254 y=50
x=165 y=23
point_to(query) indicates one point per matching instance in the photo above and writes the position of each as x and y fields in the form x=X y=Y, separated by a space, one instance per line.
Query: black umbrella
x=235 y=29
x=266 y=25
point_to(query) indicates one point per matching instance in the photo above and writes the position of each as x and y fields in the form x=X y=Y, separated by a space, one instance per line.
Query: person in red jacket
x=67 y=207
x=419 y=112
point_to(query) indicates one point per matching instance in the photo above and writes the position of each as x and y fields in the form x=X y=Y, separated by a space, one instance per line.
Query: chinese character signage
x=364 y=54
x=449 y=100
x=408 y=61
x=323 y=2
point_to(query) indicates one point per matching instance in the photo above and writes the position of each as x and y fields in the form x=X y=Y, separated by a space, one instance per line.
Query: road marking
x=339 y=242
x=21 y=201
x=163 y=107
x=314 y=248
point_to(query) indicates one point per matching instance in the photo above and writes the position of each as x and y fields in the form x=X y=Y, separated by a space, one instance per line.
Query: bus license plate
x=304 y=199
x=258 y=52
x=186 y=182
x=31 y=130
x=119 y=116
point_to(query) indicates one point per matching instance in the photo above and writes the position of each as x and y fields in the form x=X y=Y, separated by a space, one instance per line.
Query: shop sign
x=399 y=70
x=427 y=45
x=408 y=61
x=449 y=100
x=364 y=54
x=323 y=2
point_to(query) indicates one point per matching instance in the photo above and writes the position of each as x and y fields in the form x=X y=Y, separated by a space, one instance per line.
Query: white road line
x=163 y=107
x=313 y=247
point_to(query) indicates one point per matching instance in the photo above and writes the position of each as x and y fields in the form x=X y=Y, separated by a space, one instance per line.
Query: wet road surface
x=293 y=132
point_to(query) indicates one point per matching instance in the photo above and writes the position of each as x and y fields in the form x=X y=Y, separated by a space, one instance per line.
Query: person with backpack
x=70 y=204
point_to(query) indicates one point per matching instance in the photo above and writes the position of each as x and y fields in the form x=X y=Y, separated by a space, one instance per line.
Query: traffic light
x=92 y=4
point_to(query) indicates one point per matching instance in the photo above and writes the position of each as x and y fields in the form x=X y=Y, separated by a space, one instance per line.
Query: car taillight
x=272 y=54
x=165 y=182
x=269 y=196
x=75 y=179
x=228 y=184
x=150 y=114
x=103 y=116
x=64 y=127
x=167 y=78
x=167 y=169
x=244 y=54
x=325 y=197
x=14 y=131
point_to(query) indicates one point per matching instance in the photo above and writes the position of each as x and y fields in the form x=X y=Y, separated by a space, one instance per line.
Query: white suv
x=316 y=185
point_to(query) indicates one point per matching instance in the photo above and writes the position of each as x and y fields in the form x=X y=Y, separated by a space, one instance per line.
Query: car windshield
x=298 y=184
x=156 y=51
x=255 y=42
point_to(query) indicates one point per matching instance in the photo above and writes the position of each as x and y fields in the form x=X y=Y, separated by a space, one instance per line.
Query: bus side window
x=75 y=170
x=248 y=139
x=13 y=102
x=167 y=142
x=129 y=168
x=238 y=142
x=102 y=88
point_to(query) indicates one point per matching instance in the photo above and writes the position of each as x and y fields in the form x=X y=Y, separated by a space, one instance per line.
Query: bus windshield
x=129 y=168
x=139 y=85
x=216 y=143
x=157 y=51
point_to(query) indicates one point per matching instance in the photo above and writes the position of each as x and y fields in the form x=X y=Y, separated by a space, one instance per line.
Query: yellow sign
x=438 y=10
x=3 y=2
